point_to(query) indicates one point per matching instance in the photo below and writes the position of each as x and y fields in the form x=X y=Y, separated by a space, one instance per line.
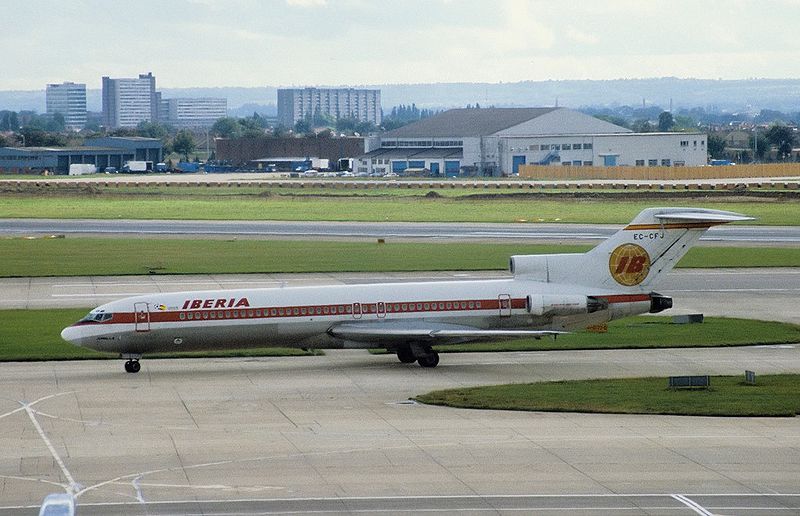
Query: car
x=58 y=504
x=111 y=170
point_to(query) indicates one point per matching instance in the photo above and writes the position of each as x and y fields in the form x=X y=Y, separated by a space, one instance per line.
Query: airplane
x=546 y=295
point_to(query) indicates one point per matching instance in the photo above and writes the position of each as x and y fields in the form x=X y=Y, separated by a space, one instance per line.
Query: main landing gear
x=420 y=353
x=132 y=365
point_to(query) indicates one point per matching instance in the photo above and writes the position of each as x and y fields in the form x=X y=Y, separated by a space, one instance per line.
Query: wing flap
x=376 y=333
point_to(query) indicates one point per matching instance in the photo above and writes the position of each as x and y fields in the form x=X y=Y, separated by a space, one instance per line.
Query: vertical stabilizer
x=635 y=257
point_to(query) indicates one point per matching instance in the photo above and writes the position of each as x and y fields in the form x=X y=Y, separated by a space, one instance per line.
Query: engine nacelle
x=564 y=305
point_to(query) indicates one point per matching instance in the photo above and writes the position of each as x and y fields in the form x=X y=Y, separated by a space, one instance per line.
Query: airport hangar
x=496 y=141
x=101 y=152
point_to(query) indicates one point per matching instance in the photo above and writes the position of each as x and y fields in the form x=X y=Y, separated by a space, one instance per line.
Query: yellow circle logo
x=629 y=264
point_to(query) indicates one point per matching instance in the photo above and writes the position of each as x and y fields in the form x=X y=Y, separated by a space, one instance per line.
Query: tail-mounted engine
x=564 y=305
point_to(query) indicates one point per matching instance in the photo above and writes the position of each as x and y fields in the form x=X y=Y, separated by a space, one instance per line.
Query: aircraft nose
x=72 y=334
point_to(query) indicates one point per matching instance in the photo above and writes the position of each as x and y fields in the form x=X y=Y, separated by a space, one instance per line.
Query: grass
x=33 y=335
x=393 y=208
x=651 y=332
x=773 y=395
x=112 y=256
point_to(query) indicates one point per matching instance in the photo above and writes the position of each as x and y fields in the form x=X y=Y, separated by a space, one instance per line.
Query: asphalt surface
x=758 y=235
x=336 y=434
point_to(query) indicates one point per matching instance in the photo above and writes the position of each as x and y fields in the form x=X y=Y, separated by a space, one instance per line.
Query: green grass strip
x=105 y=256
x=772 y=395
x=645 y=332
x=378 y=209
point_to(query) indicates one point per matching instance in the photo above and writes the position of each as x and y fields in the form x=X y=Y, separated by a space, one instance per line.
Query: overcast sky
x=354 y=42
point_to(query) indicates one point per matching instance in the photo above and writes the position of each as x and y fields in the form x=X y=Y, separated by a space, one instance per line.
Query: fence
x=659 y=173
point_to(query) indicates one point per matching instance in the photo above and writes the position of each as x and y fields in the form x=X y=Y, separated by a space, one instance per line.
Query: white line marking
x=696 y=507
x=73 y=486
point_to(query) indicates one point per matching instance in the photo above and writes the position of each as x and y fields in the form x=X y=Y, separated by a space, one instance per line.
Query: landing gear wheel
x=405 y=355
x=132 y=366
x=431 y=360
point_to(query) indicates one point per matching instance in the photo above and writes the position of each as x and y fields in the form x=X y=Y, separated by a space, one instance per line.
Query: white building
x=127 y=102
x=197 y=112
x=68 y=99
x=300 y=103
x=495 y=141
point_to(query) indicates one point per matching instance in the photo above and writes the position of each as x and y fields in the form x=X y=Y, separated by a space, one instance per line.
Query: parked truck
x=138 y=166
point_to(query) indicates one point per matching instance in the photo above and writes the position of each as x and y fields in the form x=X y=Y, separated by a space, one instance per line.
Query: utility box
x=689 y=382
x=687 y=319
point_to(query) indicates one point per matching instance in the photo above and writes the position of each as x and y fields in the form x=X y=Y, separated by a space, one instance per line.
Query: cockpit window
x=97 y=317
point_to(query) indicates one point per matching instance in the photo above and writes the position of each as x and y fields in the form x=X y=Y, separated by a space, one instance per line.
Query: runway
x=768 y=294
x=336 y=434
x=533 y=231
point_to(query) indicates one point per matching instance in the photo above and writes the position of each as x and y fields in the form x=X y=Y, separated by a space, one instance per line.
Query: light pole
x=23 y=139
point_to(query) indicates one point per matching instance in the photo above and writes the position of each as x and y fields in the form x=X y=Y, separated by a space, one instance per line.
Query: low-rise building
x=496 y=141
x=103 y=153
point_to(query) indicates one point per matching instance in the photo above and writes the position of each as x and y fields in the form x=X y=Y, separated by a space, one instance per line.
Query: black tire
x=132 y=366
x=406 y=356
x=128 y=366
x=431 y=360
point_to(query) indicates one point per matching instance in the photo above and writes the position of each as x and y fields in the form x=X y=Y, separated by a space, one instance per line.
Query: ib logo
x=629 y=264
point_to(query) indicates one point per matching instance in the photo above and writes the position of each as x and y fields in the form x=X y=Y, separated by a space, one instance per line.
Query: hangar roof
x=468 y=122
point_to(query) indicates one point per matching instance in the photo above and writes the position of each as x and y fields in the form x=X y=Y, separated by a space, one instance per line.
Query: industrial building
x=127 y=102
x=101 y=152
x=301 y=103
x=496 y=141
x=255 y=152
x=69 y=100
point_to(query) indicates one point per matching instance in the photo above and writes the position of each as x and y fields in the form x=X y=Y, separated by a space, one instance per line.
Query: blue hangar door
x=516 y=161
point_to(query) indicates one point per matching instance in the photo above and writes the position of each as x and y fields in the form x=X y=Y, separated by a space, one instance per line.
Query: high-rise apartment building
x=197 y=112
x=298 y=104
x=127 y=102
x=69 y=100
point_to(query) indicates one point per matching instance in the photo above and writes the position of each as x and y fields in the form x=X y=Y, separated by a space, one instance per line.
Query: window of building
x=685 y=143
x=576 y=163
x=666 y=163
x=587 y=163
x=639 y=162
x=587 y=145
x=545 y=147
x=555 y=146
x=566 y=146
x=652 y=162
x=566 y=163
x=679 y=164
x=576 y=146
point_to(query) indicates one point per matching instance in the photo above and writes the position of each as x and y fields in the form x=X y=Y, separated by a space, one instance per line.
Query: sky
x=254 y=43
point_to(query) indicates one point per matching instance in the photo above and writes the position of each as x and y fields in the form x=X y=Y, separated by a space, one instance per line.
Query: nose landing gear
x=132 y=365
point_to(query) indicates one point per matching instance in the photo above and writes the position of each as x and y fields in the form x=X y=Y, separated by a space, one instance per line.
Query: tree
x=783 y=138
x=665 y=122
x=716 y=146
x=227 y=127
x=302 y=126
x=760 y=144
x=152 y=130
x=642 y=126
x=184 y=143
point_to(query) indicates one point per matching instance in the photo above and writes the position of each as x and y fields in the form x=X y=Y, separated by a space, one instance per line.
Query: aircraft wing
x=378 y=333
x=703 y=216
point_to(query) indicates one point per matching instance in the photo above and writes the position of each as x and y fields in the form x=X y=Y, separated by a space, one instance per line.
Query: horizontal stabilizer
x=709 y=216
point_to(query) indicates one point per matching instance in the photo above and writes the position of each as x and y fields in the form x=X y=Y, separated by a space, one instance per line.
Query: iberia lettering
x=194 y=304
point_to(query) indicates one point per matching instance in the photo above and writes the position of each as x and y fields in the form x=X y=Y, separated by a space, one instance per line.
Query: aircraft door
x=504 y=301
x=381 y=309
x=356 y=310
x=142 y=316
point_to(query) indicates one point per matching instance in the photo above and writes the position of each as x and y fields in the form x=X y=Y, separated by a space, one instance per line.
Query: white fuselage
x=307 y=317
